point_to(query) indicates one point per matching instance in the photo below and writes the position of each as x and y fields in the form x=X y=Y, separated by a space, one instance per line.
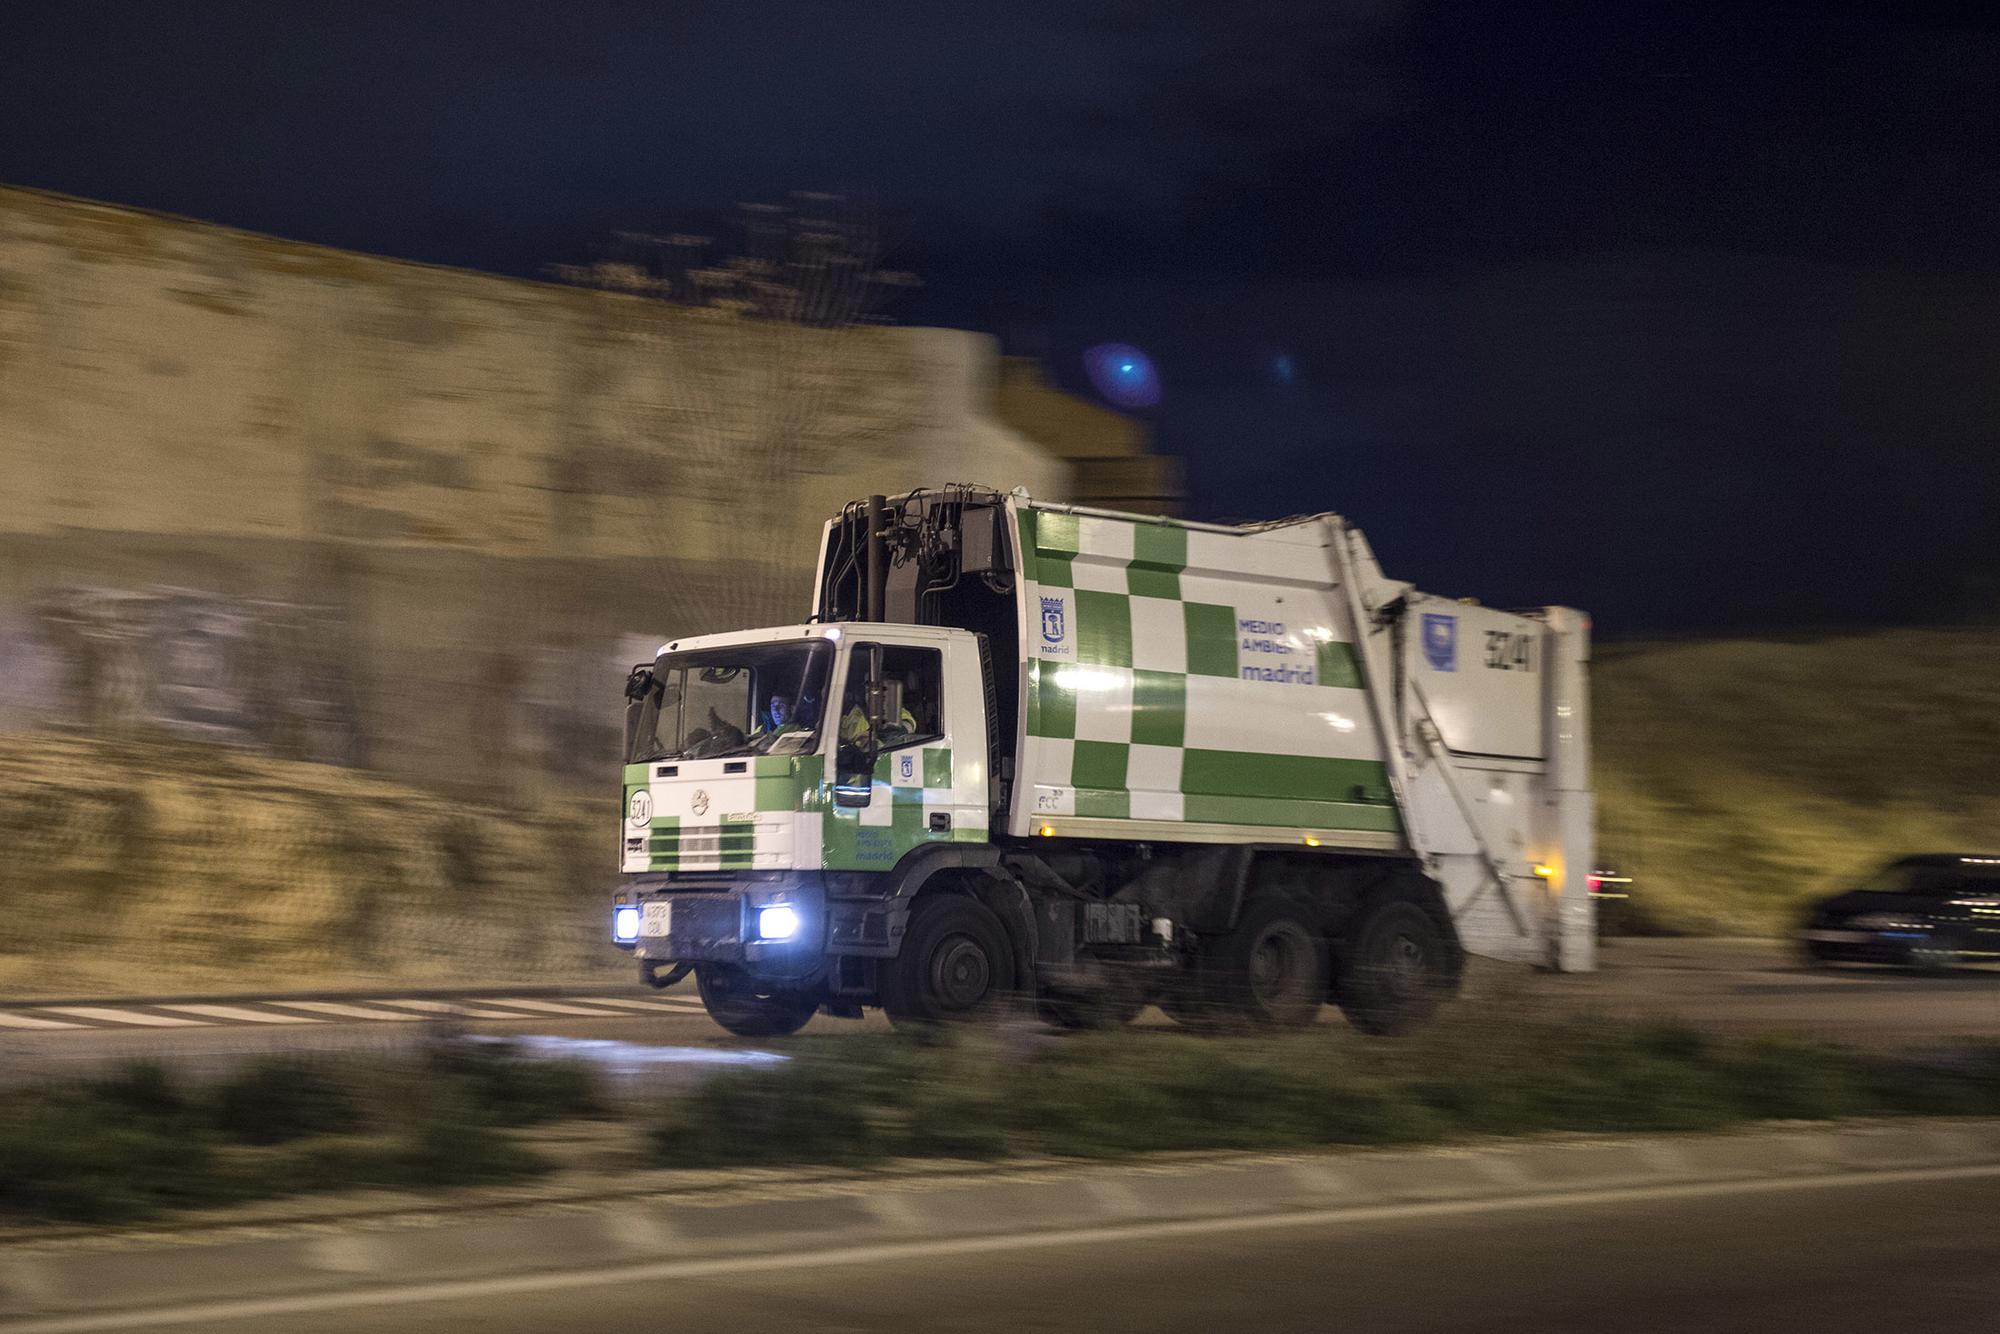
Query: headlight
x=1887 y=921
x=625 y=922
x=780 y=921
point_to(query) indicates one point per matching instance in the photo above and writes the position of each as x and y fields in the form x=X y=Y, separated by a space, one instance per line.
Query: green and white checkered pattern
x=779 y=813
x=911 y=787
x=1183 y=676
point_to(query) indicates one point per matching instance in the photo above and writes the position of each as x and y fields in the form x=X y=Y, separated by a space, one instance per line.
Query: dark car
x=1929 y=911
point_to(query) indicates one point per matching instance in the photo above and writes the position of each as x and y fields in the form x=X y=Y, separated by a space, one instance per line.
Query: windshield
x=756 y=699
x=1959 y=875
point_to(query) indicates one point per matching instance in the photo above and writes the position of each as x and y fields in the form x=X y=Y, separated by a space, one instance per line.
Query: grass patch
x=141 y=1141
x=1738 y=778
x=1114 y=1095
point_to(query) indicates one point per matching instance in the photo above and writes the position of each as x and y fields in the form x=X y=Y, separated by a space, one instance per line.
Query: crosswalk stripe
x=517 y=1008
x=11 y=1020
x=240 y=1015
x=675 y=1005
x=349 y=1011
x=551 y=1007
x=109 y=1016
x=460 y=1010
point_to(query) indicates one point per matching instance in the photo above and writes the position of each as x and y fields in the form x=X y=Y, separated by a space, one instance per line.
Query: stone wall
x=340 y=508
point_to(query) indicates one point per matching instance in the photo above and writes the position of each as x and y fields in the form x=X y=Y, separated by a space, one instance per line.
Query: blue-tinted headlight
x=780 y=921
x=625 y=922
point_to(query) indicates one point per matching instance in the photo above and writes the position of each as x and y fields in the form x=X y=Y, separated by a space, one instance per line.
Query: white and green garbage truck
x=1034 y=754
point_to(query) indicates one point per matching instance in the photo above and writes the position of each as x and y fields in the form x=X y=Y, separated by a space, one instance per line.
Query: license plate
x=656 y=919
x=1839 y=937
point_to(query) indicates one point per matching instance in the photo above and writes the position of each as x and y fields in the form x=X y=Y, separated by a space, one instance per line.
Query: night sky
x=1686 y=313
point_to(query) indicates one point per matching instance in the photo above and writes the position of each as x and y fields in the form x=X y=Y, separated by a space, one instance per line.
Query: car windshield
x=1895 y=878
x=756 y=699
x=1961 y=875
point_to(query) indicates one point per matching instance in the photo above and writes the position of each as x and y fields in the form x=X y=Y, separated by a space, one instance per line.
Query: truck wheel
x=1271 y=971
x=740 y=1004
x=1398 y=969
x=956 y=964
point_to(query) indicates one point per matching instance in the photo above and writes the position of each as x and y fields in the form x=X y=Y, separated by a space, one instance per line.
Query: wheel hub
x=1275 y=971
x=961 y=974
x=1405 y=965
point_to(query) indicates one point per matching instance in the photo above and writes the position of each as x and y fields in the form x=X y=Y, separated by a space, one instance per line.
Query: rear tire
x=748 y=1008
x=1271 y=971
x=956 y=965
x=1399 y=967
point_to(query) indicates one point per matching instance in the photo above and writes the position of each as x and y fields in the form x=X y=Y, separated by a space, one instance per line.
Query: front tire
x=956 y=964
x=748 y=1008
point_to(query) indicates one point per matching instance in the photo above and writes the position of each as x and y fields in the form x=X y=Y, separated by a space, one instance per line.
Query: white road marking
x=9 y=1019
x=549 y=1007
x=520 y=1009
x=349 y=1011
x=110 y=1016
x=880 y=1252
x=453 y=1008
x=237 y=1014
x=671 y=1006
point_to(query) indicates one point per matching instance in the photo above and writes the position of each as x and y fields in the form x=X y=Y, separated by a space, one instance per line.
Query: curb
x=101 y=1275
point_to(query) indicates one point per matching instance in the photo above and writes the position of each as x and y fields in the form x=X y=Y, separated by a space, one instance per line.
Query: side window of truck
x=918 y=676
x=921 y=672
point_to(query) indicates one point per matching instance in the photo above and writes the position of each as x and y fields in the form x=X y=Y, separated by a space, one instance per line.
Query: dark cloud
x=1686 y=310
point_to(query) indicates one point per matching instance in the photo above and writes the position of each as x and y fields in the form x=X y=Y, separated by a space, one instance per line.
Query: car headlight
x=780 y=921
x=625 y=922
x=1887 y=921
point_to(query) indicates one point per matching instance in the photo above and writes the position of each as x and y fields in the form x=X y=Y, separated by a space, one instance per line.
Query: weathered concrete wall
x=342 y=507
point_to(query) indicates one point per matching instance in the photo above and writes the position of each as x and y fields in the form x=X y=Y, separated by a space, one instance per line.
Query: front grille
x=726 y=847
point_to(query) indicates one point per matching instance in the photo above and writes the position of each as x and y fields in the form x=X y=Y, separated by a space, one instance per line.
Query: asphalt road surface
x=666 y=1040
x=1858 y=1255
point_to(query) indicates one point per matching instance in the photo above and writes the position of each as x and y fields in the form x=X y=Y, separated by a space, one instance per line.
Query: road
x=1854 y=1255
x=666 y=1039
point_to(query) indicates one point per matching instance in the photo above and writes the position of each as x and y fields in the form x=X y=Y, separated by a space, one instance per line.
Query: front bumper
x=714 y=920
x=1849 y=945
x=717 y=922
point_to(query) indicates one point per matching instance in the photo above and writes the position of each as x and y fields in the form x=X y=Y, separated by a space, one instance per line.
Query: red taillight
x=1595 y=882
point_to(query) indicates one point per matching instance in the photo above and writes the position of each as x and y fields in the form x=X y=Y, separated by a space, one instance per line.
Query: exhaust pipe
x=878 y=559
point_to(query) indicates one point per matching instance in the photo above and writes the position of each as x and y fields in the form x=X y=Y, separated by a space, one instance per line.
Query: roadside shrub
x=105 y=1153
x=1118 y=1094
x=138 y=1142
x=509 y=1088
x=278 y=1099
x=811 y=1112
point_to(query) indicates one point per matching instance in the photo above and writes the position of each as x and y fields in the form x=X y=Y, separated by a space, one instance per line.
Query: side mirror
x=639 y=687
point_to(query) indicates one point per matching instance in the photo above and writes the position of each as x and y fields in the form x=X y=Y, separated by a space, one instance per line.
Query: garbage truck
x=1025 y=756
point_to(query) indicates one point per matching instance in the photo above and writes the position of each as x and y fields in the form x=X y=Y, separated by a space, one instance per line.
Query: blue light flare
x=1123 y=374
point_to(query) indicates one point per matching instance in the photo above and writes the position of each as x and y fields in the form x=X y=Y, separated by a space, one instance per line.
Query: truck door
x=895 y=783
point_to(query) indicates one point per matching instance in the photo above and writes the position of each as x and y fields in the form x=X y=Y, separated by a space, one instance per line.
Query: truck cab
x=763 y=766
